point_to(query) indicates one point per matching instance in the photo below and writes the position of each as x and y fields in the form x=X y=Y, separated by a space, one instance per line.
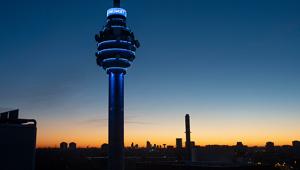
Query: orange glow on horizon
x=205 y=131
x=91 y=138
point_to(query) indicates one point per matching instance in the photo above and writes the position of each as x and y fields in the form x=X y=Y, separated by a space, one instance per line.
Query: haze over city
x=235 y=71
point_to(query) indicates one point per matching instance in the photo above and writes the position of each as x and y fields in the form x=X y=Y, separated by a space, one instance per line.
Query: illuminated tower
x=188 y=138
x=116 y=51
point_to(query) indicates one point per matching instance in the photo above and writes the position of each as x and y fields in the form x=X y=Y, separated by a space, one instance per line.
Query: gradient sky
x=232 y=65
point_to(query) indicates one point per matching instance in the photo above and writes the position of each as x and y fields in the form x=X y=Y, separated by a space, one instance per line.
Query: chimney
x=188 y=138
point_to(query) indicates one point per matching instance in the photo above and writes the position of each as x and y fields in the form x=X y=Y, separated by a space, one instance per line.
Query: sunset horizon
x=157 y=81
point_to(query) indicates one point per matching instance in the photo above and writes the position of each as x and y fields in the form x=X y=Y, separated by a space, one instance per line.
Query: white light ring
x=113 y=59
x=114 y=41
x=116 y=11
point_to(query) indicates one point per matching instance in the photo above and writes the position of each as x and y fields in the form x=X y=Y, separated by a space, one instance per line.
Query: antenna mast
x=117 y=3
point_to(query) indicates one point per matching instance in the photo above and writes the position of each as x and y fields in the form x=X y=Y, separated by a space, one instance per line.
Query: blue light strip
x=116 y=68
x=116 y=49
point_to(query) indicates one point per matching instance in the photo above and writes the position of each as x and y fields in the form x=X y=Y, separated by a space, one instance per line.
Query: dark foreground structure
x=281 y=158
x=116 y=51
x=17 y=142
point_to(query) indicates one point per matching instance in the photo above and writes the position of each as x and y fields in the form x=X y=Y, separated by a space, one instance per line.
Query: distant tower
x=178 y=143
x=132 y=145
x=116 y=52
x=188 y=138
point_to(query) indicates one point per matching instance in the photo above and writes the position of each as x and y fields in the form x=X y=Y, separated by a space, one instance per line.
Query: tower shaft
x=116 y=120
x=116 y=46
x=188 y=138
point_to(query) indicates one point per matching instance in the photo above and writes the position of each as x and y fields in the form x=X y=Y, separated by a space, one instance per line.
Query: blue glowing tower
x=116 y=51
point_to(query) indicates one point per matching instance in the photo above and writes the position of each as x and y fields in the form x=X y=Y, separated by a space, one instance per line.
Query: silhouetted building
x=296 y=144
x=193 y=144
x=104 y=147
x=148 y=145
x=270 y=146
x=72 y=146
x=17 y=142
x=240 y=149
x=296 y=148
x=63 y=146
x=170 y=147
x=239 y=144
x=179 y=143
x=188 y=138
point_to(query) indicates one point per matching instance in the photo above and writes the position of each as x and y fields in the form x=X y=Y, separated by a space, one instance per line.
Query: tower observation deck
x=116 y=46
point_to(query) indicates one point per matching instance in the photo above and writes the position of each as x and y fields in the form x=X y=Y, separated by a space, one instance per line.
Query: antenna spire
x=117 y=3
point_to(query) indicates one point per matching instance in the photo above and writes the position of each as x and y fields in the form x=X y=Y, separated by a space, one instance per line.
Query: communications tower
x=116 y=46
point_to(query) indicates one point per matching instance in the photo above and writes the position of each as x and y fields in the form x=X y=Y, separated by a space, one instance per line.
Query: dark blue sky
x=217 y=60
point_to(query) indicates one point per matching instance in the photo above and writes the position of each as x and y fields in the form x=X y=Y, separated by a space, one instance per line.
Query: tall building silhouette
x=296 y=144
x=148 y=145
x=17 y=142
x=178 y=143
x=193 y=144
x=270 y=146
x=296 y=147
x=188 y=138
x=63 y=146
x=116 y=51
x=72 y=146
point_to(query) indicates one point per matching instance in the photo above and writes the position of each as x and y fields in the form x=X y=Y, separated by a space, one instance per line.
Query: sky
x=232 y=65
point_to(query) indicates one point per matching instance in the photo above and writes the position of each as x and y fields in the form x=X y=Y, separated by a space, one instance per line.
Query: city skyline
x=164 y=145
x=234 y=67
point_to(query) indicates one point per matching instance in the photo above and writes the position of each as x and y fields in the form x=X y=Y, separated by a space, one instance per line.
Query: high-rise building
x=239 y=144
x=63 y=146
x=178 y=143
x=240 y=149
x=296 y=148
x=296 y=144
x=193 y=144
x=270 y=146
x=17 y=142
x=72 y=146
